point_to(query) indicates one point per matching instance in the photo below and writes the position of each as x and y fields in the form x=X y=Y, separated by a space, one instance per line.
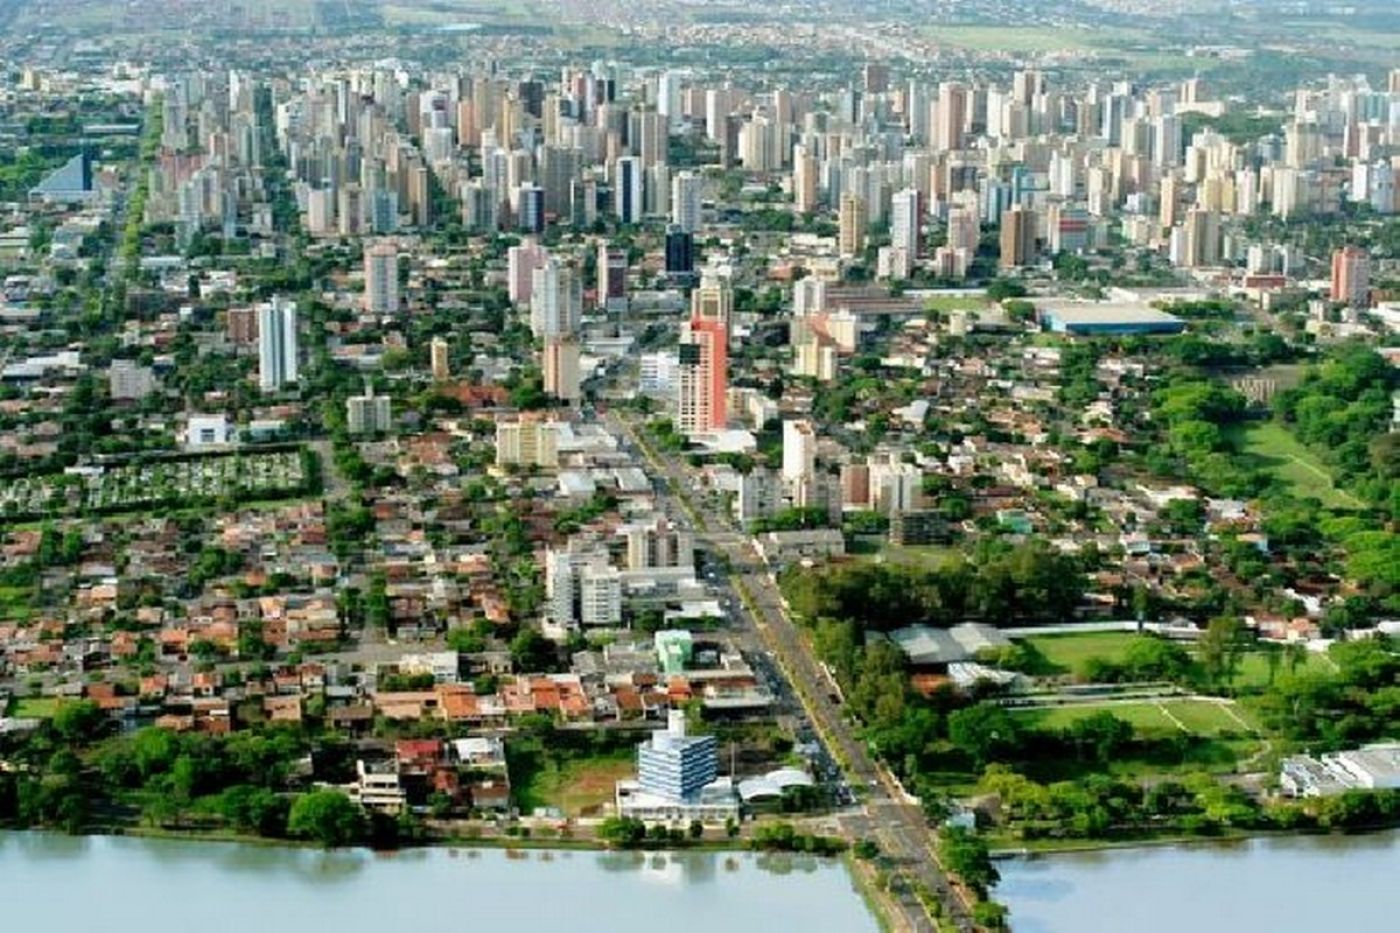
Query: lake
x=133 y=885
x=1282 y=885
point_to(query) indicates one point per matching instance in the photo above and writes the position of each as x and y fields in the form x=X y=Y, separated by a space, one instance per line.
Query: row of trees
x=1102 y=807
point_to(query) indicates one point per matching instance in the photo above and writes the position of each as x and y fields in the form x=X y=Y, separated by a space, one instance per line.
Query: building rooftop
x=1104 y=312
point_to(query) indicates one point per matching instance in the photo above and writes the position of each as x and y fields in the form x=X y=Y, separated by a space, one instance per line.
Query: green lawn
x=1144 y=717
x=1295 y=465
x=1067 y=652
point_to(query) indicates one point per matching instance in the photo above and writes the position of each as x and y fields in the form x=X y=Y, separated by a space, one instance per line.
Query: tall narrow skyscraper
x=627 y=189
x=685 y=201
x=277 y=344
x=702 y=377
x=382 y=278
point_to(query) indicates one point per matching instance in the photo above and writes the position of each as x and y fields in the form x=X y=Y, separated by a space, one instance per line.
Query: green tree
x=1221 y=648
x=328 y=817
x=984 y=732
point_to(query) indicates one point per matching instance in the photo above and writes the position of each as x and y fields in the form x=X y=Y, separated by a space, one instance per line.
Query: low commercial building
x=1087 y=319
x=783 y=547
x=1371 y=767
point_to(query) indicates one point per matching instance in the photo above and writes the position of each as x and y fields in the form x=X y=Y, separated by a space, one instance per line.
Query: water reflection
x=275 y=887
x=1282 y=884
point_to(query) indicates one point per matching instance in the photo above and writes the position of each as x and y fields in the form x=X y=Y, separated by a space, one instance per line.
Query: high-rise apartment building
x=556 y=299
x=562 y=378
x=612 y=276
x=852 y=221
x=952 y=116
x=1351 y=277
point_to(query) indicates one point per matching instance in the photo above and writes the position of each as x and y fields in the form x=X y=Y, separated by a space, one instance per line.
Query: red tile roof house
x=418 y=756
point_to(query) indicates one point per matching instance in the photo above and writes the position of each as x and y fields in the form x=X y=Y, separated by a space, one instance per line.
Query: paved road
x=896 y=825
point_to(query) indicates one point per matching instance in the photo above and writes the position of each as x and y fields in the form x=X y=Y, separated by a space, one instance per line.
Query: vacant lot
x=1295 y=465
x=580 y=787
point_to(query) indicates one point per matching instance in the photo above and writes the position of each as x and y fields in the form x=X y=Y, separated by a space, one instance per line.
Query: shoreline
x=1041 y=848
x=715 y=846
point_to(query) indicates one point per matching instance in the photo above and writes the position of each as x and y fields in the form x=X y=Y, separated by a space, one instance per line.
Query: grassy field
x=34 y=708
x=1295 y=465
x=1066 y=653
x=580 y=787
x=1143 y=717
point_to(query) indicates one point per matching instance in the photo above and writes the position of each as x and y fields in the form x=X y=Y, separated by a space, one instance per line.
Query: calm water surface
x=1291 y=885
x=56 y=884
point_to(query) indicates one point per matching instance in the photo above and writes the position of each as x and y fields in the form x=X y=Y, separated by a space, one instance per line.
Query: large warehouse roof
x=1070 y=313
